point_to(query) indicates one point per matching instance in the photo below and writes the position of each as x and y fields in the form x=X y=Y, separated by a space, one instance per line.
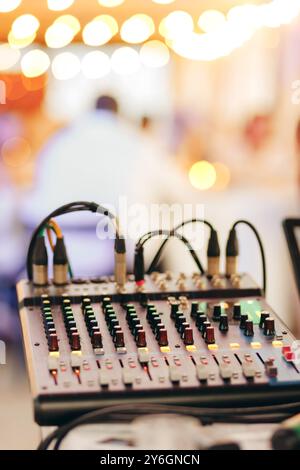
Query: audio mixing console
x=178 y=339
x=208 y=339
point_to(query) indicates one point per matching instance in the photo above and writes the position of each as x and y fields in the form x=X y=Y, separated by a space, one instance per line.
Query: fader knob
x=205 y=325
x=244 y=318
x=174 y=309
x=53 y=342
x=75 y=341
x=180 y=318
x=141 y=339
x=162 y=337
x=249 y=331
x=184 y=325
x=97 y=340
x=269 y=328
x=200 y=320
x=237 y=312
x=194 y=309
x=223 y=325
x=210 y=335
x=263 y=317
x=188 y=337
x=119 y=339
x=217 y=311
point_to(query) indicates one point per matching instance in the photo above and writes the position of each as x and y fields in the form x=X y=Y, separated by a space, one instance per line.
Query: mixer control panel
x=178 y=339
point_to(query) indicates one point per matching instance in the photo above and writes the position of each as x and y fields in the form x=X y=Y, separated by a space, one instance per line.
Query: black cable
x=263 y=414
x=156 y=259
x=262 y=251
x=172 y=234
x=65 y=209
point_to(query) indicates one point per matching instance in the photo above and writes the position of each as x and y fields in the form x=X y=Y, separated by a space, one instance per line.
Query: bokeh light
x=125 y=61
x=25 y=26
x=35 y=63
x=66 y=66
x=20 y=43
x=8 y=57
x=59 y=35
x=70 y=21
x=59 y=5
x=211 y=20
x=202 y=175
x=110 y=3
x=223 y=176
x=176 y=24
x=155 y=54
x=95 y=64
x=137 y=29
x=9 y=5
x=16 y=152
x=100 y=30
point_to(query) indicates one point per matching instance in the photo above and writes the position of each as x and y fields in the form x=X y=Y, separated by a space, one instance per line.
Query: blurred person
x=99 y=157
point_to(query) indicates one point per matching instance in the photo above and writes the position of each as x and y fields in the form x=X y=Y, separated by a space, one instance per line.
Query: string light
x=95 y=64
x=59 y=5
x=100 y=30
x=20 y=43
x=8 y=57
x=59 y=35
x=25 y=26
x=211 y=20
x=202 y=175
x=35 y=63
x=9 y=5
x=70 y=21
x=223 y=35
x=65 y=66
x=125 y=61
x=175 y=24
x=137 y=29
x=154 y=54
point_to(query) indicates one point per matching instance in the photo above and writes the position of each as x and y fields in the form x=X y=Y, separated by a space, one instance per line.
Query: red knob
x=188 y=337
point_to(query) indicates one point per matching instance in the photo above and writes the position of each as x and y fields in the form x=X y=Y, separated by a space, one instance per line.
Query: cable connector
x=120 y=262
x=232 y=253
x=60 y=263
x=139 y=265
x=40 y=263
x=213 y=255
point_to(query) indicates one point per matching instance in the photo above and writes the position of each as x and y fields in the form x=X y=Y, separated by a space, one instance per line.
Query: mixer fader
x=88 y=345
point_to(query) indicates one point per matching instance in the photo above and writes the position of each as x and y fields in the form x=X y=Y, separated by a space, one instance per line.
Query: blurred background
x=165 y=101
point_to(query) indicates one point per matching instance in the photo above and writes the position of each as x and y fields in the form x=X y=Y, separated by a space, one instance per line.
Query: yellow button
x=256 y=345
x=76 y=353
x=143 y=350
x=234 y=346
x=191 y=348
x=165 y=349
x=54 y=354
x=277 y=344
x=213 y=347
